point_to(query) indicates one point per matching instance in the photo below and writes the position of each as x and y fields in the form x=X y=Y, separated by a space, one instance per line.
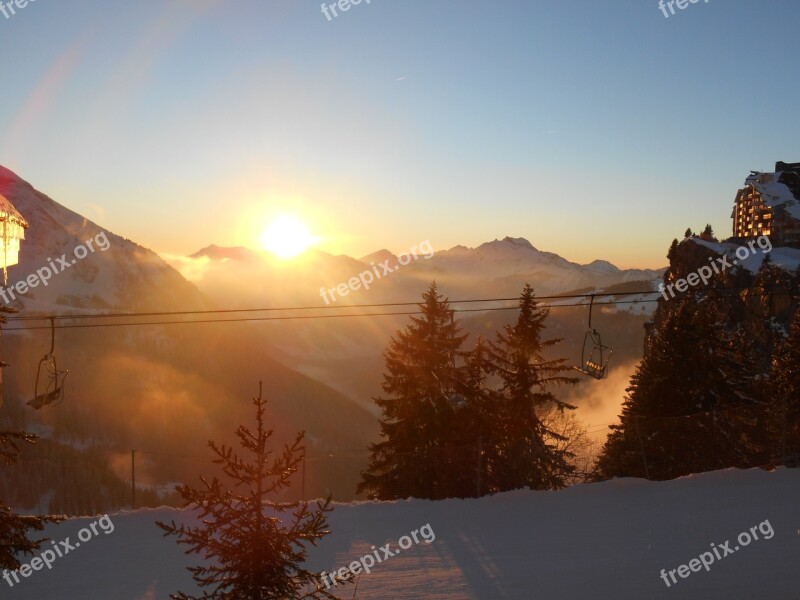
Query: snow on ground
x=606 y=541
x=783 y=257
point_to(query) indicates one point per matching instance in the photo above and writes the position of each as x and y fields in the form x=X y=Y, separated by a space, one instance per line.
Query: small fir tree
x=255 y=546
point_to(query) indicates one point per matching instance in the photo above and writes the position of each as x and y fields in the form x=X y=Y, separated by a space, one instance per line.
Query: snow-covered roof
x=774 y=193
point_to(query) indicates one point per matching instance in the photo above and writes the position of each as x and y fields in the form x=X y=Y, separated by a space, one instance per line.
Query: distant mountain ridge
x=505 y=265
x=518 y=255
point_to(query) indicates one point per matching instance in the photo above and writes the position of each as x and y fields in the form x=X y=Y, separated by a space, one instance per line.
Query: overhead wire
x=339 y=307
x=553 y=303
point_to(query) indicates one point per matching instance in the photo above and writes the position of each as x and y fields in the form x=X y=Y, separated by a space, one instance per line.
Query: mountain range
x=502 y=266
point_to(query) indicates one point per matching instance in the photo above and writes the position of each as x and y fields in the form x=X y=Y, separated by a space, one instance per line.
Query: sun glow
x=287 y=237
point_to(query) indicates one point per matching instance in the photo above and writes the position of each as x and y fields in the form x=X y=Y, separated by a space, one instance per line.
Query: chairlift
x=49 y=379
x=455 y=400
x=594 y=362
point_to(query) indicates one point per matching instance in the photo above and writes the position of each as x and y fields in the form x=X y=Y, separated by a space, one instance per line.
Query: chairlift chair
x=455 y=400
x=50 y=380
x=594 y=361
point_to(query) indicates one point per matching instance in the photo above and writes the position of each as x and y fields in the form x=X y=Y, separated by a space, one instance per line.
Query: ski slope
x=606 y=541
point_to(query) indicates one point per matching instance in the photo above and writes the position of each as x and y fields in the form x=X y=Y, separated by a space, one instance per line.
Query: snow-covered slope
x=124 y=276
x=783 y=257
x=606 y=541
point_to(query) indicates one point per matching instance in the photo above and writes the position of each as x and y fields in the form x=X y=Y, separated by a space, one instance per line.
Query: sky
x=596 y=130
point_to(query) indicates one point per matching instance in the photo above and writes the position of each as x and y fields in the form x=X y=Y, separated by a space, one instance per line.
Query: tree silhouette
x=418 y=411
x=532 y=456
x=255 y=546
x=785 y=387
x=693 y=365
x=15 y=528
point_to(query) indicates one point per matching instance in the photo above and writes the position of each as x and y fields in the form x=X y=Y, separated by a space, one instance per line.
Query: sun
x=287 y=237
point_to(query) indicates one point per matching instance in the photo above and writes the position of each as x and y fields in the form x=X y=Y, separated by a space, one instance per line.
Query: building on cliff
x=769 y=204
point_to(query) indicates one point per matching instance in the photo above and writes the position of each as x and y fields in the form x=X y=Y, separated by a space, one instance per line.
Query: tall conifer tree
x=418 y=410
x=528 y=458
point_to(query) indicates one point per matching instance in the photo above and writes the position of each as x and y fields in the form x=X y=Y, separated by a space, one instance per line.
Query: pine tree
x=529 y=459
x=15 y=528
x=672 y=254
x=478 y=423
x=785 y=389
x=693 y=364
x=256 y=546
x=418 y=411
x=770 y=295
x=573 y=438
x=688 y=233
x=479 y=406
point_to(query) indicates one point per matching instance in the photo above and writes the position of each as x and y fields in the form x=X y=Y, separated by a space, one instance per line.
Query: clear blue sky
x=594 y=129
